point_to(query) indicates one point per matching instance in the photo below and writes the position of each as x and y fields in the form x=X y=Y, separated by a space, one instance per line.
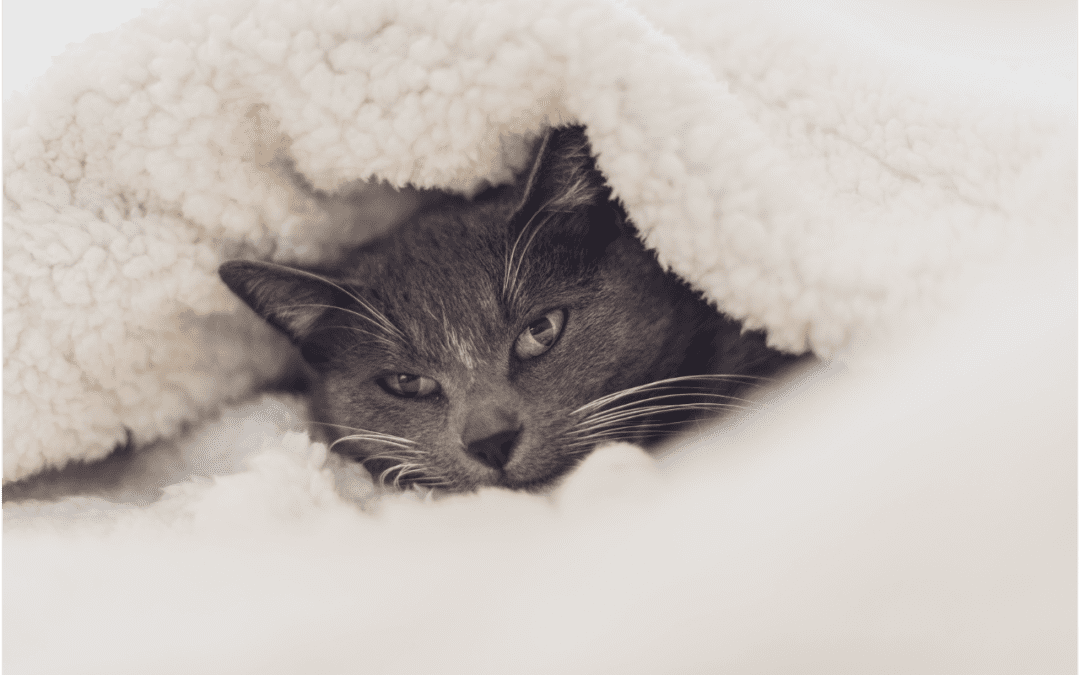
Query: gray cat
x=496 y=341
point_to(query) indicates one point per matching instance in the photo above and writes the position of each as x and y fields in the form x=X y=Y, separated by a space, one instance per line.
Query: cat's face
x=474 y=347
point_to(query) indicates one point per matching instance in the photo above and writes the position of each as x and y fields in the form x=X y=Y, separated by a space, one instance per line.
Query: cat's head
x=474 y=345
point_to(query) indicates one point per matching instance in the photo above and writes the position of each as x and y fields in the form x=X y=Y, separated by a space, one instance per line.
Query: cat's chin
x=532 y=469
x=465 y=478
x=513 y=478
x=543 y=484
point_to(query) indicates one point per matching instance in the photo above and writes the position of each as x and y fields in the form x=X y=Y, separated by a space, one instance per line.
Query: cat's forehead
x=440 y=289
x=466 y=328
x=457 y=287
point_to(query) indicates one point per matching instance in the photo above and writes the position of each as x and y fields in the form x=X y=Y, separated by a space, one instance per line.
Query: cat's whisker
x=724 y=402
x=582 y=444
x=312 y=275
x=377 y=437
x=382 y=320
x=430 y=484
x=382 y=476
x=365 y=431
x=630 y=413
x=378 y=319
x=375 y=336
x=368 y=432
x=454 y=329
x=402 y=470
x=585 y=446
x=648 y=408
x=405 y=470
x=513 y=266
x=385 y=458
x=637 y=397
x=521 y=256
x=371 y=438
x=629 y=391
x=681 y=395
x=378 y=316
x=578 y=437
x=425 y=491
x=510 y=259
x=396 y=440
x=646 y=411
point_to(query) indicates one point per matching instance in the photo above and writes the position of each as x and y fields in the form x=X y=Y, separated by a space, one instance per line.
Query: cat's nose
x=490 y=436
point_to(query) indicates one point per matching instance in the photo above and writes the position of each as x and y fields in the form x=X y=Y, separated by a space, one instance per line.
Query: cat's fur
x=451 y=295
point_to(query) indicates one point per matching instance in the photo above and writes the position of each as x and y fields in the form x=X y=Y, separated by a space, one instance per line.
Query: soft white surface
x=810 y=177
x=35 y=32
x=1016 y=33
x=916 y=514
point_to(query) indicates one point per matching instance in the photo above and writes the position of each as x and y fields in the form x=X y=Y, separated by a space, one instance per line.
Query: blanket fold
x=809 y=182
x=909 y=216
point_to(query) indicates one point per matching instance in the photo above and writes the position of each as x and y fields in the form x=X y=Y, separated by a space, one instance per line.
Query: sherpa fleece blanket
x=906 y=506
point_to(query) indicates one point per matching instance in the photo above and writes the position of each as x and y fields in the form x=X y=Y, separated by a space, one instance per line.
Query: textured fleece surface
x=910 y=508
x=915 y=514
x=809 y=180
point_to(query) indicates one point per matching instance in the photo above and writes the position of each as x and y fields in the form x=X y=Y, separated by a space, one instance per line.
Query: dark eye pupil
x=543 y=331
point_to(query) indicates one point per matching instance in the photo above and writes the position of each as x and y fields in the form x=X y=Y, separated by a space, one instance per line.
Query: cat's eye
x=540 y=335
x=406 y=385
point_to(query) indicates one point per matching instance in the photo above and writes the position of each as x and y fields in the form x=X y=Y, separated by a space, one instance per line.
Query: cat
x=496 y=341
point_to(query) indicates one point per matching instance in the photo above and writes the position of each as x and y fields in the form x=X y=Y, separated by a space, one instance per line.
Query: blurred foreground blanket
x=912 y=216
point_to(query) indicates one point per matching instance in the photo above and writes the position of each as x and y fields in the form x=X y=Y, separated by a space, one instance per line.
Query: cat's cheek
x=576 y=371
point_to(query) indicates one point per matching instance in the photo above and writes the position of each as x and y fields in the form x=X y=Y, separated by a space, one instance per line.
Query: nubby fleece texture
x=808 y=181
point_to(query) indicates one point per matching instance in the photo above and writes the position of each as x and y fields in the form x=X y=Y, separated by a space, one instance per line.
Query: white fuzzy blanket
x=828 y=187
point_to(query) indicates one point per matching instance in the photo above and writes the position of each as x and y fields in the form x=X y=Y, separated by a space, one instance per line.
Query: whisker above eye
x=511 y=276
x=376 y=316
x=377 y=319
x=521 y=257
x=375 y=336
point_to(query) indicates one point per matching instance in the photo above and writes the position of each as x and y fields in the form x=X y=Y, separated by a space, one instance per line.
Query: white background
x=1025 y=33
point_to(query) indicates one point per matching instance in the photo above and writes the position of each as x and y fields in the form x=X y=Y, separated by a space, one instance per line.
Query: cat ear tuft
x=289 y=299
x=563 y=176
x=564 y=179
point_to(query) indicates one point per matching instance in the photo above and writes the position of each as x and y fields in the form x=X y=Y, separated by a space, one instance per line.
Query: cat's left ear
x=564 y=180
x=289 y=299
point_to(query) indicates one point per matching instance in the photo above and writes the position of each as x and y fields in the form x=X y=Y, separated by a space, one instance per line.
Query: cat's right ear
x=563 y=176
x=564 y=180
x=289 y=299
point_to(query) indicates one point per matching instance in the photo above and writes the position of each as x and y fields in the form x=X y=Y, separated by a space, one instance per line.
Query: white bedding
x=909 y=506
